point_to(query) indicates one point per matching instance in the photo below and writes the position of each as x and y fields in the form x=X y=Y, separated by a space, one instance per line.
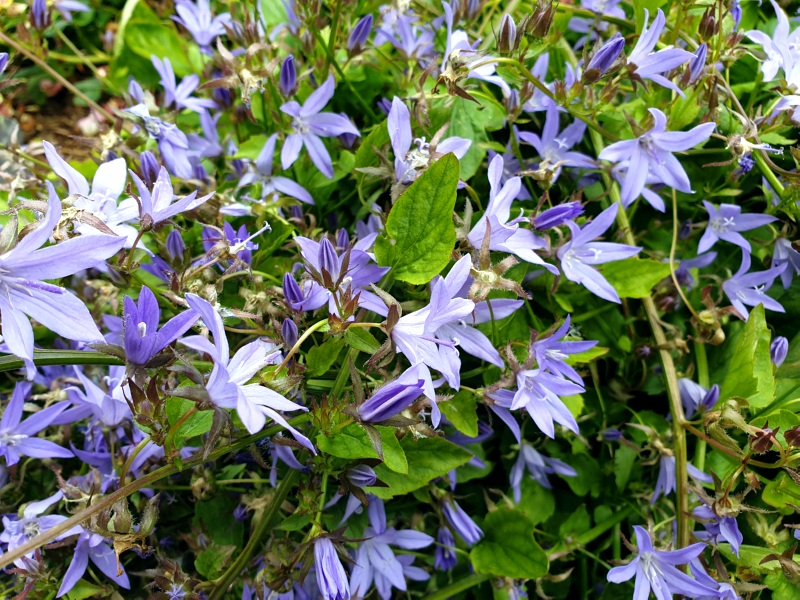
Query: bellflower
x=18 y=438
x=99 y=550
x=698 y=64
x=781 y=48
x=725 y=223
x=461 y=522
x=227 y=385
x=412 y=40
x=651 y=153
x=376 y=562
x=360 y=34
x=667 y=476
x=647 y=64
x=538 y=466
x=718 y=528
x=39 y=15
x=142 y=336
x=604 y=58
x=157 y=205
x=180 y=95
x=199 y=21
x=394 y=397
x=579 y=254
x=550 y=352
x=331 y=578
x=785 y=253
x=172 y=142
x=445 y=557
x=557 y=216
x=778 y=350
x=749 y=289
x=23 y=291
x=408 y=162
x=554 y=147
x=656 y=570
x=695 y=397
x=272 y=186
x=309 y=124
x=230 y=242
x=109 y=406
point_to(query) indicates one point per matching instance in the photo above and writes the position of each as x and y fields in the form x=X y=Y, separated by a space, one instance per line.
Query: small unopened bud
x=763 y=439
x=512 y=102
x=793 y=436
x=708 y=24
x=736 y=14
x=39 y=15
x=778 y=350
x=359 y=35
x=135 y=90
x=149 y=167
x=329 y=260
x=288 y=76
x=698 y=63
x=604 y=58
x=289 y=333
x=507 y=41
x=342 y=239
x=558 y=215
x=292 y=291
x=362 y=476
x=611 y=435
x=175 y=245
x=3 y=61
x=538 y=26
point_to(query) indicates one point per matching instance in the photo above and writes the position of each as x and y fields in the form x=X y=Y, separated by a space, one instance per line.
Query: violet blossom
x=100 y=551
x=273 y=185
x=331 y=578
x=199 y=21
x=784 y=253
x=394 y=397
x=180 y=95
x=725 y=223
x=158 y=205
x=461 y=522
x=667 y=476
x=749 y=289
x=538 y=466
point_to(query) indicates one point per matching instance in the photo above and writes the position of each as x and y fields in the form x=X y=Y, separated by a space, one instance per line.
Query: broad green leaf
x=468 y=121
x=215 y=518
x=635 y=277
x=462 y=411
x=377 y=138
x=624 y=459
x=780 y=586
x=210 y=562
x=536 y=502
x=577 y=523
x=428 y=458
x=353 y=443
x=586 y=357
x=684 y=111
x=749 y=373
x=362 y=340
x=508 y=548
x=321 y=358
x=420 y=235
x=147 y=39
x=781 y=492
x=198 y=424
x=83 y=590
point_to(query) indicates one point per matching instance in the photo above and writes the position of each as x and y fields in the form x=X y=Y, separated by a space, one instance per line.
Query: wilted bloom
x=695 y=397
x=749 y=288
x=657 y=570
x=394 y=397
x=180 y=96
x=331 y=578
x=785 y=253
x=581 y=252
x=18 y=438
x=143 y=338
x=288 y=76
x=604 y=58
x=461 y=522
x=273 y=185
x=309 y=125
x=557 y=216
x=725 y=223
x=539 y=467
x=650 y=65
x=445 y=554
x=359 y=35
x=778 y=350
x=198 y=20
x=651 y=153
x=667 y=476
x=23 y=291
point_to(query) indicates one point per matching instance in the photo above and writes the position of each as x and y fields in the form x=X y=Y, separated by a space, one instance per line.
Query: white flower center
x=142 y=329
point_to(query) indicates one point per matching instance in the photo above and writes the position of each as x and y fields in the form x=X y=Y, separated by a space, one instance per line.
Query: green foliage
x=462 y=411
x=509 y=548
x=635 y=277
x=353 y=442
x=749 y=373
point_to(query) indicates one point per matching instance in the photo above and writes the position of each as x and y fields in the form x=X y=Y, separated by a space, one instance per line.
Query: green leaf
x=776 y=139
x=215 y=517
x=210 y=562
x=428 y=458
x=321 y=358
x=353 y=443
x=198 y=424
x=684 y=111
x=508 y=548
x=586 y=357
x=420 y=235
x=624 y=459
x=362 y=340
x=147 y=39
x=462 y=411
x=781 y=492
x=468 y=121
x=83 y=590
x=635 y=277
x=749 y=372
x=377 y=138
x=536 y=502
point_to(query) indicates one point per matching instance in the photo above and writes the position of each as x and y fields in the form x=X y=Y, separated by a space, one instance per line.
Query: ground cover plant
x=478 y=299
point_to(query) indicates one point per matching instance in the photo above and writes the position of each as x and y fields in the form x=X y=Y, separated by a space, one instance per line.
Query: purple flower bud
x=385 y=105
x=175 y=246
x=348 y=139
x=359 y=35
x=342 y=239
x=149 y=167
x=445 y=554
x=698 y=63
x=199 y=172
x=223 y=97
x=611 y=435
x=709 y=401
x=778 y=350
x=736 y=14
x=39 y=15
x=604 y=58
x=392 y=398
x=3 y=61
x=289 y=333
x=240 y=512
x=512 y=102
x=135 y=90
x=462 y=523
x=686 y=230
x=331 y=578
x=297 y=212
x=362 y=476
x=507 y=41
x=291 y=290
x=328 y=259
x=288 y=77
x=558 y=215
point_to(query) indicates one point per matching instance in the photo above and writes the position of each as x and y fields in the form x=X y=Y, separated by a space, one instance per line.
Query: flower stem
x=303 y=338
x=459 y=586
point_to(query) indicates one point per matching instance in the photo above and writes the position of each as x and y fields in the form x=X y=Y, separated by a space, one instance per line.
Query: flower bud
x=778 y=350
x=538 y=25
x=698 y=63
x=762 y=440
x=558 y=215
x=385 y=105
x=708 y=24
x=289 y=333
x=604 y=58
x=792 y=436
x=359 y=35
x=135 y=90
x=175 y=246
x=292 y=291
x=445 y=556
x=288 y=76
x=342 y=239
x=149 y=167
x=39 y=15
x=331 y=577
x=462 y=523
x=611 y=435
x=3 y=61
x=362 y=476
x=736 y=14
x=507 y=41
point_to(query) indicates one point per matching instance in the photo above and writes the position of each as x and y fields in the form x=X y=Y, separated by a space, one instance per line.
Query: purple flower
x=461 y=522
x=359 y=35
x=108 y=406
x=232 y=243
x=362 y=476
x=581 y=252
x=149 y=167
x=227 y=385
x=657 y=570
x=749 y=288
x=778 y=350
x=180 y=96
x=18 y=438
x=695 y=397
x=698 y=64
x=272 y=186
x=3 y=61
x=394 y=397
x=718 y=528
x=200 y=22
x=779 y=48
x=413 y=41
x=786 y=254
x=551 y=352
x=408 y=162
x=98 y=549
x=558 y=215
x=648 y=64
x=172 y=142
x=376 y=562
x=67 y=7
x=309 y=125
x=143 y=339
x=538 y=466
x=176 y=248
x=331 y=578
x=158 y=206
x=288 y=78
x=725 y=223
x=667 y=476
x=605 y=57
x=651 y=154
x=39 y=15
x=445 y=557
x=22 y=291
